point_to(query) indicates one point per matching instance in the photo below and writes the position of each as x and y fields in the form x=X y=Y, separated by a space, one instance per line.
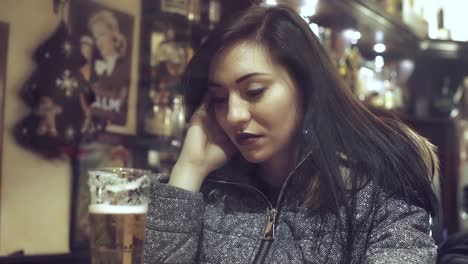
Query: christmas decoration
x=58 y=96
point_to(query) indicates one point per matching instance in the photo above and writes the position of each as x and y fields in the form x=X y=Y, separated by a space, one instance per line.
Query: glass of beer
x=117 y=214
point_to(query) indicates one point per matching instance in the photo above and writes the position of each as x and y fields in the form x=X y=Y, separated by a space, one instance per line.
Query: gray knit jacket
x=231 y=221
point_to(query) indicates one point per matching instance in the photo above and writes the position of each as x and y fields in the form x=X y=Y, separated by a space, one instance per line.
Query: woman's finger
x=204 y=106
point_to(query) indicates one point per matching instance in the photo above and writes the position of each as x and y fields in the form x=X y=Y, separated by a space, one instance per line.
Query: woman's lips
x=244 y=139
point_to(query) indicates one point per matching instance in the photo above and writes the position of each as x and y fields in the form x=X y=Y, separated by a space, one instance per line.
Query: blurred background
x=62 y=115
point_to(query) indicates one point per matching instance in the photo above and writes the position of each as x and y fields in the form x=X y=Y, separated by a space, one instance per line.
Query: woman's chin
x=254 y=156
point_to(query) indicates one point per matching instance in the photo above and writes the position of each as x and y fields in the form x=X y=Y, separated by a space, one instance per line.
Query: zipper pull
x=269 y=233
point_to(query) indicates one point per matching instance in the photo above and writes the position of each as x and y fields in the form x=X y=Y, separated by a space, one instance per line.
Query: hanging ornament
x=67 y=83
x=47 y=112
x=58 y=121
x=67 y=48
x=69 y=133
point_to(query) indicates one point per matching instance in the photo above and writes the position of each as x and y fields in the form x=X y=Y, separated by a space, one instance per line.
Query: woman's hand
x=206 y=148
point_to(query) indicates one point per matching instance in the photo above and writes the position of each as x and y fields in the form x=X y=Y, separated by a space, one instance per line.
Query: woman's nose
x=238 y=111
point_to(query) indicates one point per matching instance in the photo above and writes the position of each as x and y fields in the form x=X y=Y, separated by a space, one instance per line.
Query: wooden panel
x=4 y=27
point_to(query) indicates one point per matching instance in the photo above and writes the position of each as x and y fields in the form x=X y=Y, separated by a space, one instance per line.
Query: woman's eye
x=255 y=92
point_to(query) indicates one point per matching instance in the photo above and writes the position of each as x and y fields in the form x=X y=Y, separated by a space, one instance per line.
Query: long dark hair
x=337 y=130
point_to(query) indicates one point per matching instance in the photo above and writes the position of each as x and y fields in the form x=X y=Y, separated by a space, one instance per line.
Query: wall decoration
x=105 y=40
x=82 y=82
x=53 y=92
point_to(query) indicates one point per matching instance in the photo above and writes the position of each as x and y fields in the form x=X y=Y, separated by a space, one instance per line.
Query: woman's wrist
x=187 y=176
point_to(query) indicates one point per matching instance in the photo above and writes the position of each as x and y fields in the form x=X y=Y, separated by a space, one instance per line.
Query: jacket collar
x=239 y=171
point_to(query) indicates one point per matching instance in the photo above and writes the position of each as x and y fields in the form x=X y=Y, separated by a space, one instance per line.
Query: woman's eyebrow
x=249 y=75
x=238 y=80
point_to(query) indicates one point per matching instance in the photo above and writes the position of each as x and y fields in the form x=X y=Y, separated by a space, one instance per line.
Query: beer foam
x=117 y=209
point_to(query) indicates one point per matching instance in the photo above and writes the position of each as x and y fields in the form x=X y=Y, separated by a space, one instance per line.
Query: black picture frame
x=114 y=82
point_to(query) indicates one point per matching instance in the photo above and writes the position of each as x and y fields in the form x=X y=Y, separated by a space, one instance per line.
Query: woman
x=112 y=69
x=110 y=42
x=281 y=164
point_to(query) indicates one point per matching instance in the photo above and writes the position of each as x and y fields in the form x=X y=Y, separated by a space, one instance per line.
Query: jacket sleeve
x=173 y=225
x=401 y=235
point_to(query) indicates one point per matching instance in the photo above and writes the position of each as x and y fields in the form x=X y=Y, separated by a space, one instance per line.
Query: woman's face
x=104 y=39
x=255 y=101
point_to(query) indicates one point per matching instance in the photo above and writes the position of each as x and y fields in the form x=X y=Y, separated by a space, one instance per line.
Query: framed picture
x=4 y=29
x=106 y=38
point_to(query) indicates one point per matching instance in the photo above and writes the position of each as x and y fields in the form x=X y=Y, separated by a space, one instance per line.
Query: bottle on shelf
x=393 y=93
x=214 y=13
x=443 y=33
x=158 y=121
x=178 y=118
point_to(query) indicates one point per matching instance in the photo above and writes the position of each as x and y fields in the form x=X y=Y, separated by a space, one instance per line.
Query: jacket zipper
x=273 y=213
x=268 y=236
x=269 y=233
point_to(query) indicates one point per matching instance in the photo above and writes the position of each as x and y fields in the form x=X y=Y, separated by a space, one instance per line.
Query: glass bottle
x=178 y=117
x=159 y=120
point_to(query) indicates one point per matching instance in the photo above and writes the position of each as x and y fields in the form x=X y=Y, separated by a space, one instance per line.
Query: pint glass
x=117 y=214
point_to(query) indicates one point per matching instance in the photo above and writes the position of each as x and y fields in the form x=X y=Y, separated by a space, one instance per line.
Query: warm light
x=379 y=47
x=465 y=135
x=368 y=73
x=308 y=8
x=454 y=113
x=271 y=2
x=379 y=63
x=407 y=65
x=315 y=29
x=454 y=19
x=379 y=36
x=356 y=36
x=352 y=35
x=348 y=33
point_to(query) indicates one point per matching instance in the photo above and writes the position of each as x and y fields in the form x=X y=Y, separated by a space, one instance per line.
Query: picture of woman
x=111 y=68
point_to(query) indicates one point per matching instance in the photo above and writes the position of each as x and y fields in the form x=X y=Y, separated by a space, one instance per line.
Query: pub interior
x=409 y=57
